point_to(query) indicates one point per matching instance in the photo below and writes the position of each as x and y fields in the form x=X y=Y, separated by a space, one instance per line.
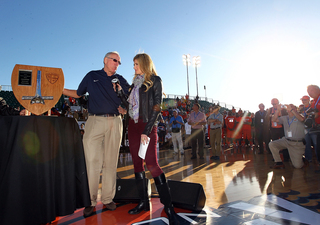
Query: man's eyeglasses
x=115 y=60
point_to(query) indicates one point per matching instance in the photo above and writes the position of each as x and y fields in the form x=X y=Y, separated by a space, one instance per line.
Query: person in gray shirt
x=293 y=140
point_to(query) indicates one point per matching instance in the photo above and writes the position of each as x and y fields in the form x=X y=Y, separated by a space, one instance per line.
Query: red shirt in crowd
x=316 y=104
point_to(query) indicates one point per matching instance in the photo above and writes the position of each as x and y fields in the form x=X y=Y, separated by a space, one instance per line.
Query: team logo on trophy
x=36 y=88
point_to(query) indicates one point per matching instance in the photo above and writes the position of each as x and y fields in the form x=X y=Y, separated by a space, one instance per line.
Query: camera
x=310 y=120
x=174 y=122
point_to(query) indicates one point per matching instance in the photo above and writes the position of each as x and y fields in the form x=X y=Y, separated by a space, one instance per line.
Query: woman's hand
x=115 y=87
x=122 y=110
x=144 y=139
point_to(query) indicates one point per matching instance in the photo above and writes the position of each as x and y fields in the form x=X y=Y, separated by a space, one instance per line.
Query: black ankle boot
x=143 y=194
x=165 y=198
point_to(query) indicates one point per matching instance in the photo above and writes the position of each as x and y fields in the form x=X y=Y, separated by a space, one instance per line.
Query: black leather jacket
x=149 y=103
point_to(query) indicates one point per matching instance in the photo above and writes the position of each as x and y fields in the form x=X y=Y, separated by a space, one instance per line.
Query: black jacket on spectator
x=6 y=110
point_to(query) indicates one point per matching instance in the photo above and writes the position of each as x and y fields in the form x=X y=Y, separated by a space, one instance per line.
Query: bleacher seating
x=13 y=102
x=10 y=98
x=169 y=102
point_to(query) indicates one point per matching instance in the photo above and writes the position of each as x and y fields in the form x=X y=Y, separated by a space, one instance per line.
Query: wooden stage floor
x=240 y=189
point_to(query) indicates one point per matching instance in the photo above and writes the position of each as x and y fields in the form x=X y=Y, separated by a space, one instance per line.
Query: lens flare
x=31 y=143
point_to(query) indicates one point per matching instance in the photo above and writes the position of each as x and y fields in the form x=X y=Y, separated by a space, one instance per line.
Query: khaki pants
x=101 y=142
x=215 y=141
x=296 y=151
x=176 y=137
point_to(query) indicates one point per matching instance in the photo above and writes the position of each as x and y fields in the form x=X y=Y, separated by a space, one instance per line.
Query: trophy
x=37 y=88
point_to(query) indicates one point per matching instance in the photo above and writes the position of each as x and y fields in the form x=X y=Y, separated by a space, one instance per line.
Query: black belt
x=215 y=128
x=104 y=115
x=294 y=140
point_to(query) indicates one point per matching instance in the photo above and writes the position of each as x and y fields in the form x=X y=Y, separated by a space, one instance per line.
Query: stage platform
x=240 y=189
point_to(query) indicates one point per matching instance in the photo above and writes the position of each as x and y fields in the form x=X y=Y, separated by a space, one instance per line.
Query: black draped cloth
x=42 y=169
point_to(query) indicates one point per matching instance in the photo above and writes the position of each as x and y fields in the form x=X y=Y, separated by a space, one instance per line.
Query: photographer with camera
x=175 y=122
x=313 y=119
x=293 y=125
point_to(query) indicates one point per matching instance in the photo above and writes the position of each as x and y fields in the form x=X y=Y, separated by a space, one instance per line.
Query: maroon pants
x=134 y=135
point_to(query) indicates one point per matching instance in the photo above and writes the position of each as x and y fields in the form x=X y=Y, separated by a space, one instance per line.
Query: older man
x=293 y=124
x=197 y=120
x=103 y=130
x=215 y=120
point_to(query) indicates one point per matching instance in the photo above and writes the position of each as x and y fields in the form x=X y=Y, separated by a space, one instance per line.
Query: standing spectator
x=230 y=121
x=238 y=129
x=103 y=130
x=259 y=121
x=215 y=121
x=314 y=92
x=187 y=127
x=197 y=120
x=310 y=139
x=293 y=139
x=176 y=122
x=306 y=104
x=144 y=109
x=246 y=128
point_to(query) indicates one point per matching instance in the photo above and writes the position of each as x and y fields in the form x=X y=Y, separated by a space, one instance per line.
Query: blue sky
x=251 y=51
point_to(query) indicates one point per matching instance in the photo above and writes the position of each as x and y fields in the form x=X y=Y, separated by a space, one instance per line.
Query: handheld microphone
x=116 y=81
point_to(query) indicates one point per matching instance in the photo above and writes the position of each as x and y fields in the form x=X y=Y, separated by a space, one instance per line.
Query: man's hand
x=23 y=112
x=122 y=110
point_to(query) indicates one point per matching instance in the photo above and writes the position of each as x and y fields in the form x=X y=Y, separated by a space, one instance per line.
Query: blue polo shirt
x=102 y=98
x=178 y=125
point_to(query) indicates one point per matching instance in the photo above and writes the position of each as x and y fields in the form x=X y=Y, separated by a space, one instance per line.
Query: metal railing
x=172 y=96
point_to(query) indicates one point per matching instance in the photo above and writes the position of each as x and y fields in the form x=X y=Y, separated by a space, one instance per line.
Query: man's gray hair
x=110 y=53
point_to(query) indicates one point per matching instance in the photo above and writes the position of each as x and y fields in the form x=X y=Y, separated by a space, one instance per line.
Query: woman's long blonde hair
x=147 y=67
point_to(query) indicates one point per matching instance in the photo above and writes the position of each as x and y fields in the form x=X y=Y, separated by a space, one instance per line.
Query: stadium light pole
x=196 y=63
x=186 y=62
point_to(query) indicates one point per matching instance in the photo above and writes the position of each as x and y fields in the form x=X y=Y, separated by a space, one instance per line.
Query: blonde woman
x=143 y=107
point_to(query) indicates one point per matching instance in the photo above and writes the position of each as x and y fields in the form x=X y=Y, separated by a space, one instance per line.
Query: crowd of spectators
x=239 y=128
x=294 y=125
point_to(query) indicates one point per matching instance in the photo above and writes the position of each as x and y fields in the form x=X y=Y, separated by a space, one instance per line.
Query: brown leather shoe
x=111 y=206
x=277 y=166
x=88 y=211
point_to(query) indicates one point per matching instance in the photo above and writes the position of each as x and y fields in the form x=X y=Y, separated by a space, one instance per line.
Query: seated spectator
x=165 y=114
x=55 y=112
x=83 y=101
x=64 y=105
x=6 y=110
x=68 y=112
